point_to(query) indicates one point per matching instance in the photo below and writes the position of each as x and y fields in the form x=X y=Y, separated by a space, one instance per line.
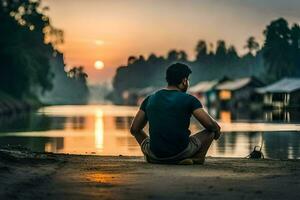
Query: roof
x=234 y=84
x=203 y=86
x=284 y=85
x=147 y=90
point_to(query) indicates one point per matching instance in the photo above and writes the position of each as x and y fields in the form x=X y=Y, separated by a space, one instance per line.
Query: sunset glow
x=117 y=29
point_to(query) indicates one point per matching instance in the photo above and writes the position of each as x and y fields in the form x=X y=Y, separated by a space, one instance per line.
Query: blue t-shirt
x=169 y=113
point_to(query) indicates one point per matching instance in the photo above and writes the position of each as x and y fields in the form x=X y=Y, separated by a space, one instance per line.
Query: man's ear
x=184 y=81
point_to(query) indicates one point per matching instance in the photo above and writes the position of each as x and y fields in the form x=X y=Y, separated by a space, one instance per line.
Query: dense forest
x=31 y=66
x=278 y=57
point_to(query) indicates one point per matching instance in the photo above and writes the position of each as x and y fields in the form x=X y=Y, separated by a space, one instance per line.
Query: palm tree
x=252 y=45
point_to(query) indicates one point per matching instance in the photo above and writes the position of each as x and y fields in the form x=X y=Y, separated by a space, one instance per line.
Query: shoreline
x=28 y=175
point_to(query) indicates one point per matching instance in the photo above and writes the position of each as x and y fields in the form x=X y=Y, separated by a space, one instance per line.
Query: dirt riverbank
x=27 y=175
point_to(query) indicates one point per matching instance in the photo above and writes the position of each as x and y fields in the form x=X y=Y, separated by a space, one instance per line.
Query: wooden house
x=204 y=92
x=283 y=93
x=238 y=92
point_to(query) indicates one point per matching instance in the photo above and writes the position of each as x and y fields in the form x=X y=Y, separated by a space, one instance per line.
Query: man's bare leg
x=206 y=137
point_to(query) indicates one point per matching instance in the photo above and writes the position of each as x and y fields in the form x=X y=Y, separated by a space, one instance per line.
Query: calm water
x=104 y=130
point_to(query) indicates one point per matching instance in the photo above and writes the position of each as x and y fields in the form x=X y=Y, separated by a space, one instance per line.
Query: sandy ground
x=27 y=175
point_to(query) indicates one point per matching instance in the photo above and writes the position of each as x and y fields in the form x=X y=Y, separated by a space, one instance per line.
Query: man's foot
x=187 y=161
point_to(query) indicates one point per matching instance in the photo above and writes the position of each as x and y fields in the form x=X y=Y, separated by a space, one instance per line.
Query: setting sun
x=99 y=64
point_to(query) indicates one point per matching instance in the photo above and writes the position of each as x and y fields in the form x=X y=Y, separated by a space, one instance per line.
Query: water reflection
x=104 y=130
x=286 y=116
x=99 y=130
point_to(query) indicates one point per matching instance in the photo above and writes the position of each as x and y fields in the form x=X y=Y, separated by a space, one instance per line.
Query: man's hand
x=217 y=135
x=207 y=122
x=218 y=132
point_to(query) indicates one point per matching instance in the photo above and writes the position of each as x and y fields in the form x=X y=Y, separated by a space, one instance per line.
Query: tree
x=23 y=52
x=201 y=50
x=232 y=53
x=131 y=60
x=221 y=51
x=251 y=45
x=30 y=65
x=173 y=55
x=277 y=51
x=182 y=56
x=295 y=39
x=152 y=58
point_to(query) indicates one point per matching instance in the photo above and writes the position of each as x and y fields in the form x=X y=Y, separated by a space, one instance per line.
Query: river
x=104 y=130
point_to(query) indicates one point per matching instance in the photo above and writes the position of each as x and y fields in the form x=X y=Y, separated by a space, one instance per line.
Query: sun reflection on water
x=99 y=130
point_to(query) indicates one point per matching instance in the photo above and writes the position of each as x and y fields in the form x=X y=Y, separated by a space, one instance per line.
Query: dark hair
x=176 y=72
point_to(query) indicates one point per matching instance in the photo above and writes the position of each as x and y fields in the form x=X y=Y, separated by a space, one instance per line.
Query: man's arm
x=207 y=121
x=136 y=129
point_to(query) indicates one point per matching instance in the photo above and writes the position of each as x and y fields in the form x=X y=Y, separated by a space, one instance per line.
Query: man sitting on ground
x=169 y=111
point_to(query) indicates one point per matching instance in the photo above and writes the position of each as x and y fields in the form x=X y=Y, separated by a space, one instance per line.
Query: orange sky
x=112 y=30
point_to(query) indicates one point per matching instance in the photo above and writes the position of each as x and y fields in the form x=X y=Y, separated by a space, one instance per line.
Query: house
x=204 y=92
x=238 y=92
x=283 y=93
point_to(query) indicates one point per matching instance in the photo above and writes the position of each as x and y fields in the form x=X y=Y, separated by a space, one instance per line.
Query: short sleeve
x=195 y=103
x=144 y=104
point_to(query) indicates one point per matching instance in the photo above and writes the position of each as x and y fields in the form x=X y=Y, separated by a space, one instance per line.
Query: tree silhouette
x=279 y=57
x=221 y=51
x=28 y=55
x=152 y=58
x=183 y=57
x=251 y=45
x=131 y=60
x=232 y=54
x=295 y=39
x=23 y=53
x=201 y=50
x=277 y=50
x=173 y=55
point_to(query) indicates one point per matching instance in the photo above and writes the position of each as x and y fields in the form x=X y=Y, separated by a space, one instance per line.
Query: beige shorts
x=192 y=148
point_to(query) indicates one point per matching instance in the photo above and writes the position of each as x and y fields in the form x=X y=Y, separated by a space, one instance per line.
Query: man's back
x=168 y=113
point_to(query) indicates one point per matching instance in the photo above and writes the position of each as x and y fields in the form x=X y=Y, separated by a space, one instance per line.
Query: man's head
x=177 y=75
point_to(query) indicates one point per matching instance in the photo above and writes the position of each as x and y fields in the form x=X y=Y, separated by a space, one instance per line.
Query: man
x=169 y=111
